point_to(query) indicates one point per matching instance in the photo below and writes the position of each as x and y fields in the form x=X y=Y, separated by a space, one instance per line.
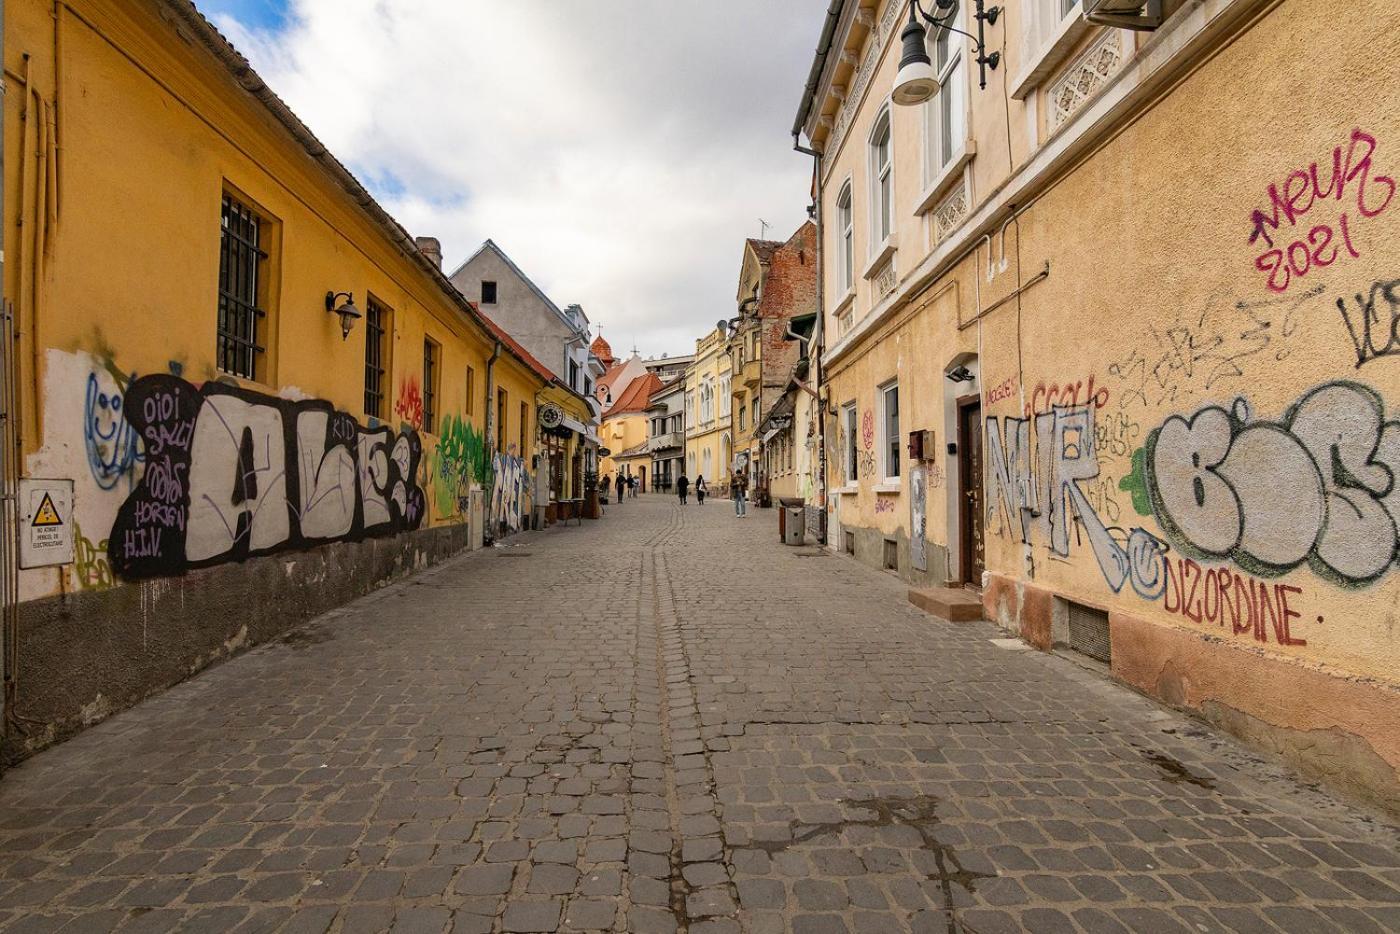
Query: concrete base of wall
x=87 y=655
x=870 y=549
x=1338 y=729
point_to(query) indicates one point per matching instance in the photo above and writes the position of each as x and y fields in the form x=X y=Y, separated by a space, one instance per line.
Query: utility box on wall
x=922 y=445
x=476 y=519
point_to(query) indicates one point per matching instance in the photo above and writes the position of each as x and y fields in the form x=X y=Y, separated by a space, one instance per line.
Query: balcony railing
x=670 y=439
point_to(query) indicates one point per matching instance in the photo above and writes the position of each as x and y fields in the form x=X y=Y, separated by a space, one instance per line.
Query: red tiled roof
x=601 y=350
x=637 y=395
x=764 y=248
x=515 y=348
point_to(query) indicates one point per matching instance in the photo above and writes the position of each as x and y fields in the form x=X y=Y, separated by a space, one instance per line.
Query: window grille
x=430 y=361
x=240 y=263
x=376 y=324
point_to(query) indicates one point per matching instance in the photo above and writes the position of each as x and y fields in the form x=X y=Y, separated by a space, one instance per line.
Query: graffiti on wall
x=1002 y=390
x=231 y=473
x=1305 y=240
x=109 y=439
x=1047 y=396
x=1201 y=351
x=459 y=461
x=1374 y=333
x=865 y=455
x=510 y=496
x=409 y=404
x=1226 y=598
x=1040 y=492
x=1321 y=485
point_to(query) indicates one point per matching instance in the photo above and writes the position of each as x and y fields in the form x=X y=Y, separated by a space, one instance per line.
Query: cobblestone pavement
x=668 y=721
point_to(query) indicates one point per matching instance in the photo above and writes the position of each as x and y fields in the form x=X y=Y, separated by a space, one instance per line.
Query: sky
x=619 y=151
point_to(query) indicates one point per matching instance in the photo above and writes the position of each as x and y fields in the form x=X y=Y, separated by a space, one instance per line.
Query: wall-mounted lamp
x=346 y=309
x=961 y=374
x=917 y=81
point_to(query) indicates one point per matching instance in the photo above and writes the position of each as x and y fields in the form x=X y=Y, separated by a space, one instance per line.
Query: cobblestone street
x=603 y=728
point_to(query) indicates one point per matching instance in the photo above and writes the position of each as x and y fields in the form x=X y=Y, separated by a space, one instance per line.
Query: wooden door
x=970 y=489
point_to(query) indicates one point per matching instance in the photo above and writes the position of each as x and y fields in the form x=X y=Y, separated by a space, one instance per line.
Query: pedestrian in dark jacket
x=604 y=487
x=700 y=489
x=682 y=487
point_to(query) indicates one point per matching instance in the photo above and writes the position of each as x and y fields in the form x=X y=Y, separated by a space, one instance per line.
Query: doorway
x=973 y=546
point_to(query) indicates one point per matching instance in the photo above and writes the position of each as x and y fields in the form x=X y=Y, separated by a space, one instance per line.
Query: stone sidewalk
x=667 y=721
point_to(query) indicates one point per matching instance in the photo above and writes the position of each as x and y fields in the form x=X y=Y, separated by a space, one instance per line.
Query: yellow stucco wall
x=114 y=274
x=709 y=442
x=1179 y=428
x=620 y=433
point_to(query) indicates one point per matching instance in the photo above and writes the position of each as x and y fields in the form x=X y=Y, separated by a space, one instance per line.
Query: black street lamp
x=917 y=81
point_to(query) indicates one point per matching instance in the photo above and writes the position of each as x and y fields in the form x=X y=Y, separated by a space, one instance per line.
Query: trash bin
x=795 y=528
x=784 y=503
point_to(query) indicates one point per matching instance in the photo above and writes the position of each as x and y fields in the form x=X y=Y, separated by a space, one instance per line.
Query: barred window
x=430 y=368
x=376 y=356
x=240 y=265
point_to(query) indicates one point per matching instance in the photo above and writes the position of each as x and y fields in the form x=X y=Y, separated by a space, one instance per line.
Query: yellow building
x=1111 y=341
x=709 y=447
x=231 y=362
x=745 y=348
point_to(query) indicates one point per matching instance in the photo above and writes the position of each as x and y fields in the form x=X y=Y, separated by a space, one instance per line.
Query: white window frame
x=846 y=239
x=952 y=83
x=1050 y=35
x=852 y=420
x=884 y=391
x=881 y=227
x=725 y=394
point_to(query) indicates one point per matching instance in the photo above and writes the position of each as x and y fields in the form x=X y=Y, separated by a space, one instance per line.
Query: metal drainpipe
x=490 y=433
x=818 y=334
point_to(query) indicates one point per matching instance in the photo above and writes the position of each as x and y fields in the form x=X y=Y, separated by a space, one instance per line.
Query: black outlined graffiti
x=1035 y=492
x=1374 y=334
x=231 y=474
x=1320 y=485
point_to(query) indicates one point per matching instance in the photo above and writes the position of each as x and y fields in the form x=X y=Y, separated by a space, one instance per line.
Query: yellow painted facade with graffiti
x=171 y=245
x=1138 y=298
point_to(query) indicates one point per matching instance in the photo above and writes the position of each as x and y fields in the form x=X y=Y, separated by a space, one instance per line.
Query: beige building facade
x=1112 y=342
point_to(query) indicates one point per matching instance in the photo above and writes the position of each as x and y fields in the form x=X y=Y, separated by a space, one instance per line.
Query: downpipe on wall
x=818 y=333
x=490 y=439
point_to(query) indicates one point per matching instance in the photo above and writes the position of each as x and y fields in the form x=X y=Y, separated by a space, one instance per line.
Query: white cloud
x=619 y=151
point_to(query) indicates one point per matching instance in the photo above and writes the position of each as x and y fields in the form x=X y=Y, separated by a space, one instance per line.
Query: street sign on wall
x=45 y=522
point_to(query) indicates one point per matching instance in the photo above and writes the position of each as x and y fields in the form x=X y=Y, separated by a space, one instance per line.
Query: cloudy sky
x=618 y=150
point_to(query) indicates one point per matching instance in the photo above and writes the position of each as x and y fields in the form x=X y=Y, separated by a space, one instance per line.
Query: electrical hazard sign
x=46 y=523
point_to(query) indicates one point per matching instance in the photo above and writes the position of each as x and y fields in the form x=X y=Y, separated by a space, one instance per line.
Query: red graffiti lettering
x=1301 y=192
x=1003 y=390
x=1046 y=397
x=1218 y=596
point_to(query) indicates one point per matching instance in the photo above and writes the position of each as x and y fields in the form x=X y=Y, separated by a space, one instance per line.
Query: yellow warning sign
x=46 y=514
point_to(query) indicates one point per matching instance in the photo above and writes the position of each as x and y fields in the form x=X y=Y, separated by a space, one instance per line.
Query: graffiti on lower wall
x=1224 y=598
x=459 y=461
x=230 y=474
x=1321 y=485
x=1040 y=493
x=409 y=404
x=1374 y=333
x=112 y=449
x=510 y=495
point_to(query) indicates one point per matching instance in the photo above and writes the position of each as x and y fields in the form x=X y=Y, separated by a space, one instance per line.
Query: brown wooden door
x=970 y=489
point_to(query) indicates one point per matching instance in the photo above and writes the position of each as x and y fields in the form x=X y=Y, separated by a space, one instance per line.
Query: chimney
x=431 y=248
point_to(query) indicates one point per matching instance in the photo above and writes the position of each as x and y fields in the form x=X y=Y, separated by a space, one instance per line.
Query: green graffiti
x=460 y=459
x=1136 y=484
x=90 y=563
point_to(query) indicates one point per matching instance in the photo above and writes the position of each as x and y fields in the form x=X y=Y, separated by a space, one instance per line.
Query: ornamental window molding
x=884 y=279
x=951 y=212
x=1084 y=77
x=856 y=93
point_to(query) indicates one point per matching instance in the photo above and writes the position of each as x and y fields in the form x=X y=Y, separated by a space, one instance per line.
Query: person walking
x=700 y=489
x=682 y=487
x=632 y=487
x=604 y=486
x=740 y=490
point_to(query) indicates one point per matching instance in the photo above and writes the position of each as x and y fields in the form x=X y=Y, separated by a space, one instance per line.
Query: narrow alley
x=633 y=748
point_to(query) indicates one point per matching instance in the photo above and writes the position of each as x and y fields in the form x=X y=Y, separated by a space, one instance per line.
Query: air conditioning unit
x=1142 y=15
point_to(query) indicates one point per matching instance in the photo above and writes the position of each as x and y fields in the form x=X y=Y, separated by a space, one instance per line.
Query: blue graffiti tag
x=112 y=447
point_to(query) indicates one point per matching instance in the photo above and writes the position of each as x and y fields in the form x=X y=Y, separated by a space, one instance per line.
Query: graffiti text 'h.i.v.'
x=232 y=473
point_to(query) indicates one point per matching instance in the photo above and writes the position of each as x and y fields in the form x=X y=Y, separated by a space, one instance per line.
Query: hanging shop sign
x=551 y=416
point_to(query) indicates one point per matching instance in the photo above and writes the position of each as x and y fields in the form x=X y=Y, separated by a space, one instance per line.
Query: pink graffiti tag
x=867 y=429
x=1303 y=190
